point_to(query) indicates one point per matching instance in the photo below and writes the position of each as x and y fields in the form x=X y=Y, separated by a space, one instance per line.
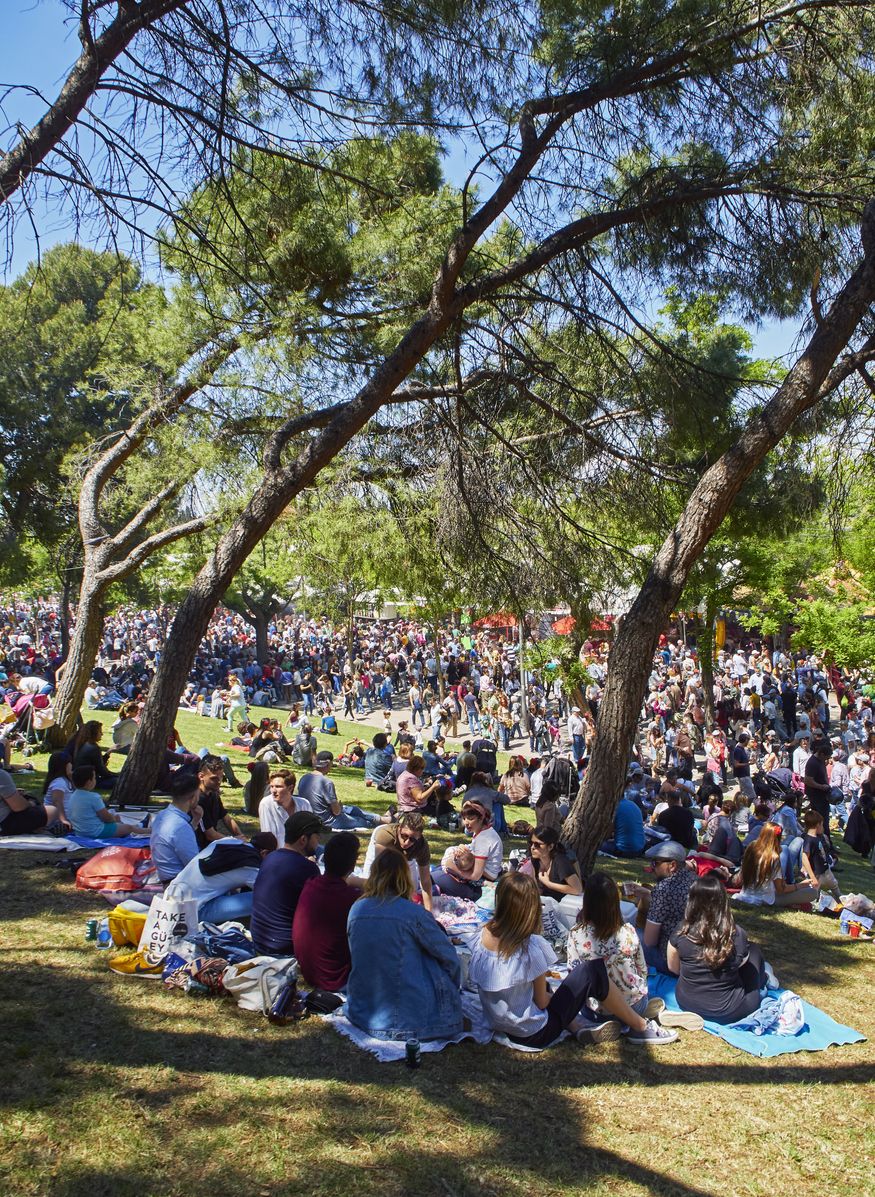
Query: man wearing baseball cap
x=661 y=909
x=278 y=885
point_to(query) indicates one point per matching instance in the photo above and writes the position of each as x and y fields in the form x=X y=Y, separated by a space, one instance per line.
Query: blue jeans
x=791 y=856
x=610 y=846
x=353 y=816
x=226 y=908
x=578 y=746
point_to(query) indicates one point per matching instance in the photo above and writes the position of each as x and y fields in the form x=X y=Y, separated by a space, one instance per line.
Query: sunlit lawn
x=113 y=1086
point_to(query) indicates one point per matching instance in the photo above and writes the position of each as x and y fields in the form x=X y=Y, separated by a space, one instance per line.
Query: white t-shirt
x=487 y=845
x=272 y=817
x=56 y=794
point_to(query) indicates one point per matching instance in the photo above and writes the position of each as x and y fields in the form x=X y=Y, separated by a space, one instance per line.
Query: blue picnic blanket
x=819 y=1032
x=123 y=841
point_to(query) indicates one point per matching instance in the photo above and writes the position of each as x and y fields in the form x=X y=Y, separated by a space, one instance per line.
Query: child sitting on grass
x=815 y=856
x=87 y=812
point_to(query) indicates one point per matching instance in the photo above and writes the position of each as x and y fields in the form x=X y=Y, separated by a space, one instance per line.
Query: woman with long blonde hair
x=510 y=966
x=762 y=879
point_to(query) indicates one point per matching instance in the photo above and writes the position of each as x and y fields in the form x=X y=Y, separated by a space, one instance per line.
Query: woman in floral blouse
x=601 y=934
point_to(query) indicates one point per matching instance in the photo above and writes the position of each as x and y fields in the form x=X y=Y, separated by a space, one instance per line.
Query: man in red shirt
x=319 y=928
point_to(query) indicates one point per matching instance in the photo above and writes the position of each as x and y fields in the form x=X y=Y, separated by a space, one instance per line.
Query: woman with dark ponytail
x=720 y=974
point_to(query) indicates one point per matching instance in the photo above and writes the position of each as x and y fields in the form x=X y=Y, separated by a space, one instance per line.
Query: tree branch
x=97 y=56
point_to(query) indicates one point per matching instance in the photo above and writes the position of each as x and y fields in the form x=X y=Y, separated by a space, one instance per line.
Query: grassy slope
x=115 y=1087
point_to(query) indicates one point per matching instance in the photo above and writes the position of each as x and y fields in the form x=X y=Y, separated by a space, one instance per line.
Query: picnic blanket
x=122 y=841
x=387 y=1050
x=818 y=1033
x=37 y=843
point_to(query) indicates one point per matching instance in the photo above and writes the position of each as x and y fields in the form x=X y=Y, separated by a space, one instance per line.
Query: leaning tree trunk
x=84 y=646
x=706 y=661
x=812 y=376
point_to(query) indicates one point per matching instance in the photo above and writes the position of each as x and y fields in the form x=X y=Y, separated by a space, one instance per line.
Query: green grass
x=114 y=1086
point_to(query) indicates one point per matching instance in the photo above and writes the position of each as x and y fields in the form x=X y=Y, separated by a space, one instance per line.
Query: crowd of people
x=740 y=807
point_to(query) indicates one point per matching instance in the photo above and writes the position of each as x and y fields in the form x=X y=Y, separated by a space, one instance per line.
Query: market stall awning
x=501 y=619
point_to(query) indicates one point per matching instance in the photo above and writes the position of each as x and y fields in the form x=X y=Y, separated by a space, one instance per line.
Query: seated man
x=322 y=796
x=279 y=883
x=378 y=759
x=220 y=878
x=20 y=815
x=677 y=820
x=628 y=839
x=405 y=837
x=210 y=775
x=319 y=925
x=280 y=802
x=304 y=748
x=87 y=811
x=174 y=842
x=661 y=909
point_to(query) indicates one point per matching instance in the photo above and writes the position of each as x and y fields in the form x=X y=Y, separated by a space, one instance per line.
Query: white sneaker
x=653 y=1033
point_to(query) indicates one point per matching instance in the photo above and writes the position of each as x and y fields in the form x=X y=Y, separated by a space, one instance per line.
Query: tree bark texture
x=706 y=661
x=84 y=646
x=591 y=818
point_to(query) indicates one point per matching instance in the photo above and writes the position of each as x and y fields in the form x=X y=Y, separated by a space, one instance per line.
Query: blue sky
x=38 y=47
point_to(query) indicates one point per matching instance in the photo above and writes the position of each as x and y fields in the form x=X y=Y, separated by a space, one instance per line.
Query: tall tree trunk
x=592 y=815
x=65 y=618
x=706 y=660
x=84 y=646
x=260 y=620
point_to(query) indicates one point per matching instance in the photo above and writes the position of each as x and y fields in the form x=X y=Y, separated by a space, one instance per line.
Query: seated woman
x=761 y=874
x=515 y=784
x=720 y=973
x=58 y=784
x=600 y=933
x=556 y=874
x=405 y=975
x=487 y=849
x=510 y=965
x=84 y=748
x=401 y=761
x=87 y=813
x=413 y=796
x=125 y=727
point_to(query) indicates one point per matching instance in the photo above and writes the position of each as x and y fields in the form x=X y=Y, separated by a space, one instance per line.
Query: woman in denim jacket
x=405 y=974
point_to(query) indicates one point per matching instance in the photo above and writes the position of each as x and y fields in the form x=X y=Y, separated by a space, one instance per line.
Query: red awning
x=501 y=619
x=565 y=625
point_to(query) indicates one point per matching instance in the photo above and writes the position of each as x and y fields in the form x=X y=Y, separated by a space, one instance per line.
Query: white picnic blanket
x=37 y=843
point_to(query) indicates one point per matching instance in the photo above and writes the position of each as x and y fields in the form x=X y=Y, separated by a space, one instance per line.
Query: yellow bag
x=126 y=926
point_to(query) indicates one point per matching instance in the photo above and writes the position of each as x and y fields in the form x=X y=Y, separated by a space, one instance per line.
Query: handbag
x=171 y=918
x=256 y=984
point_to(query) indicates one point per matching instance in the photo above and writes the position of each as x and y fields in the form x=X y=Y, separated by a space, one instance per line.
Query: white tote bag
x=171 y=917
x=256 y=983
